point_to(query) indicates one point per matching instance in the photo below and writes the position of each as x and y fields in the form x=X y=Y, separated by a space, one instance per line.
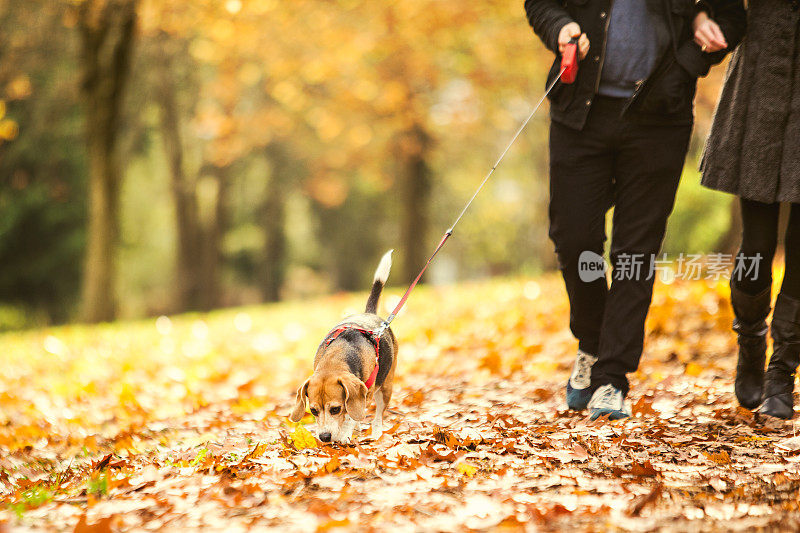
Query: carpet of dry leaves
x=180 y=423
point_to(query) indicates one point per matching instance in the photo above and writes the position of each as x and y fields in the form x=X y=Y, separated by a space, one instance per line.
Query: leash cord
x=385 y=324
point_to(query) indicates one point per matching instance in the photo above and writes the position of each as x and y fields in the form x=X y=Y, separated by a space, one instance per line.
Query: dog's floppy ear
x=355 y=397
x=300 y=405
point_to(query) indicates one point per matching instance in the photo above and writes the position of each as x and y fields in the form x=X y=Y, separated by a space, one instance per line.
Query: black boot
x=751 y=313
x=779 y=381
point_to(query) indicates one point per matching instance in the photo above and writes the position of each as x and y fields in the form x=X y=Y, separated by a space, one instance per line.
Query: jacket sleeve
x=732 y=19
x=547 y=17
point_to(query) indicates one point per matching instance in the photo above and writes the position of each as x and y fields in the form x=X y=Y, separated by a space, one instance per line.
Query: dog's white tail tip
x=382 y=273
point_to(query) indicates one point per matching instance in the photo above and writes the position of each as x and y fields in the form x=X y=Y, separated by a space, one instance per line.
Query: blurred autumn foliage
x=171 y=155
x=159 y=156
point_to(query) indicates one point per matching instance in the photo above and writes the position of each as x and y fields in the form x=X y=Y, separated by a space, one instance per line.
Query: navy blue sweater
x=631 y=49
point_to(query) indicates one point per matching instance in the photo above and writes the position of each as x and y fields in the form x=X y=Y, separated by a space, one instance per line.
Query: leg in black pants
x=791 y=279
x=581 y=192
x=648 y=167
x=759 y=239
x=759 y=236
x=637 y=169
x=751 y=283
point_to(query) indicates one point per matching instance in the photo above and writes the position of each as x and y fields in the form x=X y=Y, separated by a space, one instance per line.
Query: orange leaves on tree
x=329 y=190
x=19 y=88
x=8 y=127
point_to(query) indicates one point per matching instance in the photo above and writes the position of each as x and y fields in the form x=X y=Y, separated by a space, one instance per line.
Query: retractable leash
x=569 y=62
x=568 y=73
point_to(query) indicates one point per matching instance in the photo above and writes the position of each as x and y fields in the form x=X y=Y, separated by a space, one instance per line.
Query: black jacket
x=667 y=95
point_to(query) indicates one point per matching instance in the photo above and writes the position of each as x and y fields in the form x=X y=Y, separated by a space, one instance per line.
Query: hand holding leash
x=570 y=32
x=569 y=61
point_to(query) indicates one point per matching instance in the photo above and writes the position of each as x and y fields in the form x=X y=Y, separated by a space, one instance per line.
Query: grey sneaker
x=608 y=400
x=579 y=391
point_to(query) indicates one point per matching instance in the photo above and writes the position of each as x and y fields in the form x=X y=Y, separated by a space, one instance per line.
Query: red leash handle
x=569 y=62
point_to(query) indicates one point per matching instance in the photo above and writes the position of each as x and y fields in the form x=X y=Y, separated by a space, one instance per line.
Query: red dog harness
x=333 y=335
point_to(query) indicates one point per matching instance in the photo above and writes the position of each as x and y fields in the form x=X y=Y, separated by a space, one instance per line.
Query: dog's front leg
x=347 y=428
x=377 y=422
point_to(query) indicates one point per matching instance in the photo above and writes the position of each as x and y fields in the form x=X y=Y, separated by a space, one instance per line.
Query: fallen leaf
x=789 y=445
x=580 y=452
x=650 y=498
x=101 y=526
x=466 y=468
x=637 y=470
x=331 y=466
x=693 y=369
x=302 y=438
x=721 y=457
x=333 y=524
x=644 y=406
x=102 y=463
x=718 y=484
x=430 y=453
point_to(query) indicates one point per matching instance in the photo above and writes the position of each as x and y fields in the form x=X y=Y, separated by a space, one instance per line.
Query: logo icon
x=591 y=266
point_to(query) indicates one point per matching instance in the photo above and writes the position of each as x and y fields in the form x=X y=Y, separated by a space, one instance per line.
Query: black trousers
x=636 y=169
x=760 y=239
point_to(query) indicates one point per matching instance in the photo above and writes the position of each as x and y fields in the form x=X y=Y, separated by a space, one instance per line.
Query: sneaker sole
x=613 y=414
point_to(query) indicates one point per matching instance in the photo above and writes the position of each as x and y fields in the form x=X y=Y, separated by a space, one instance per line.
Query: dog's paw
x=376 y=432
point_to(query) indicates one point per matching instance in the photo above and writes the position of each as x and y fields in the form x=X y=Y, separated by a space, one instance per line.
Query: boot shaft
x=786 y=336
x=751 y=312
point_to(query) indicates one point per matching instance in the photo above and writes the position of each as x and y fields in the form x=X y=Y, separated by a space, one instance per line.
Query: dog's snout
x=325 y=436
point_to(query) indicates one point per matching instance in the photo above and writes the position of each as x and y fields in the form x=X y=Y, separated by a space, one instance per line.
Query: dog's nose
x=325 y=436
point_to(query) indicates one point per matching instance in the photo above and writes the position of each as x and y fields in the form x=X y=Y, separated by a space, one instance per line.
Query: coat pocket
x=670 y=90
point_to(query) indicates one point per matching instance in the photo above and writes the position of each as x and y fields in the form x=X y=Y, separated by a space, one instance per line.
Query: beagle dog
x=351 y=367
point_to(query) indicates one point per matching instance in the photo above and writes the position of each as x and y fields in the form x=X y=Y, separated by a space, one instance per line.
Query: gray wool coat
x=754 y=147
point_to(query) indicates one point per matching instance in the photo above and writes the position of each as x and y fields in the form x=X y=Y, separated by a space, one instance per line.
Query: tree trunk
x=350 y=238
x=213 y=233
x=273 y=217
x=107 y=35
x=415 y=197
x=188 y=283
